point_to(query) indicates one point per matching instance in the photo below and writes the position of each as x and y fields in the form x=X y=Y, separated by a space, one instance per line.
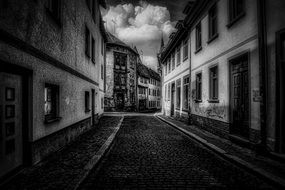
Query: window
x=214 y=83
x=165 y=69
x=87 y=101
x=173 y=61
x=148 y=91
x=178 y=54
x=213 y=24
x=178 y=93
x=186 y=82
x=54 y=9
x=102 y=72
x=165 y=92
x=236 y=10
x=199 y=86
x=169 y=66
x=198 y=37
x=87 y=41
x=168 y=91
x=102 y=46
x=93 y=50
x=51 y=102
x=102 y=103
x=185 y=49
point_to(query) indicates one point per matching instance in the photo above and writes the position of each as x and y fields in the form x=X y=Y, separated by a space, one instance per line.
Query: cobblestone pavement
x=65 y=168
x=149 y=154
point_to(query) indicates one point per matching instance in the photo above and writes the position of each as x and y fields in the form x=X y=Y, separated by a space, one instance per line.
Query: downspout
x=261 y=18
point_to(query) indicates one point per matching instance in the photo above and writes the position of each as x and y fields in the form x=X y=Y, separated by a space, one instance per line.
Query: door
x=172 y=99
x=240 y=97
x=120 y=101
x=93 y=106
x=280 y=91
x=11 y=138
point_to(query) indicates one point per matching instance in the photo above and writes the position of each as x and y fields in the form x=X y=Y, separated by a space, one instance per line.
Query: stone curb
x=99 y=154
x=271 y=178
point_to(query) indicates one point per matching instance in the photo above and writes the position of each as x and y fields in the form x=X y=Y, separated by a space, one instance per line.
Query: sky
x=143 y=23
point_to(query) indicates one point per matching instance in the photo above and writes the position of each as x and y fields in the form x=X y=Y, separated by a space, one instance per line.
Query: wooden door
x=240 y=97
x=172 y=99
x=11 y=138
x=93 y=106
x=280 y=91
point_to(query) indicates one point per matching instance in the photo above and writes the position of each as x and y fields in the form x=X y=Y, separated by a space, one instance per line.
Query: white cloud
x=142 y=26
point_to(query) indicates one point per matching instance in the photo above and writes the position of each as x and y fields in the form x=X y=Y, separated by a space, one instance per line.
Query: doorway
x=93 y=106
x=172 y=99
x=280 y=132
x=240 y=96
x=11 y=125
x=120 y=101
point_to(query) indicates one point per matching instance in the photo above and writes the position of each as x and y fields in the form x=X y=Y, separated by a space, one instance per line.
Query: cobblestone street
x=149 y=154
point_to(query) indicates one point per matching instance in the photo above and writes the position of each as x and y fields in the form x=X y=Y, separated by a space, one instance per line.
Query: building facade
x=236 y=88
x=175 y=59
x=121 y=61
x=52 y=76
x=148 y=88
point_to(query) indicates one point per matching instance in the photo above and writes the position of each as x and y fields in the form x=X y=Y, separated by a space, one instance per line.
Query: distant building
x=148 y=88
x=52 y=59
x=175 y=58
x=120 y=76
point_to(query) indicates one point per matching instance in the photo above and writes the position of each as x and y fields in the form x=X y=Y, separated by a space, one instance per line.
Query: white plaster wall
x=240 y=38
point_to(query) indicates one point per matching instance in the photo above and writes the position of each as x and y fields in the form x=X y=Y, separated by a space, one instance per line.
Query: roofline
x=194 y=13
x=125 y=46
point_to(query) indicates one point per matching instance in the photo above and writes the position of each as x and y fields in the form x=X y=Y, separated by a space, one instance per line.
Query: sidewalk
x=266 y=168
x=67 y=168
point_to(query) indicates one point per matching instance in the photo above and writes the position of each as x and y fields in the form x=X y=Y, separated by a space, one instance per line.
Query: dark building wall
x=116 y=90
x=54 y=52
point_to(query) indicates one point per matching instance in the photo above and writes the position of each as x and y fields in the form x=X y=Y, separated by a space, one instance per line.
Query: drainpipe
x=261 y=18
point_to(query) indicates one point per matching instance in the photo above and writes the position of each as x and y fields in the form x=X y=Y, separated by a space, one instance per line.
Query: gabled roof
x=153 y=74
x=112 y=40
x=142 y=70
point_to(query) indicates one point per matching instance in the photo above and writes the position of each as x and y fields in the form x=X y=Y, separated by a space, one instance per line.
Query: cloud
x=142 y=26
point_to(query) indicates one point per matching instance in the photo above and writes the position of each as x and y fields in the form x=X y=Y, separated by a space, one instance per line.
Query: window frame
x=198 y=37
x=87 y=41
x=187 y=83
x=198 y=97
x=178 y=94
x=93 y=50
x=87 y=101
x=173 y=61
x=213 y=93
x=178 y=55
x=54 y=116
x=185 y=49
x=232 y=16
x=213 y=23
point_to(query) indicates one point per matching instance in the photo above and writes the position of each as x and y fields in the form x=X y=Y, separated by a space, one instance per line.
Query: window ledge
x=232 y=22
x=212 y=38
x=198 y=50
x=214 y=101
x=185 y=58
x=52 y=120
x=198 y=101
